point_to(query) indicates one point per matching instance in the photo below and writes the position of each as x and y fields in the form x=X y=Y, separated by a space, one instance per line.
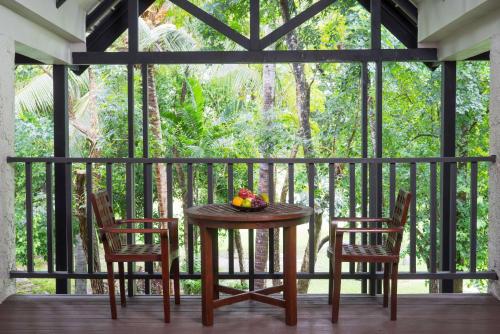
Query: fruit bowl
x=249 y=202
x=245 y=209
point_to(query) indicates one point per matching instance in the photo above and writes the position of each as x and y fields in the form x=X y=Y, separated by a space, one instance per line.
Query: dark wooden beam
x=295 y=22
x=213 y=22
x=254 y=25
x=133 y=25
x=253 y=57
x=103 y=8
x=408 y=8
x=448 y=143
x=59 y=3
x=397 y=23
x=376 y=23
x=62 y=177
x=23 y=60
x=485 y=56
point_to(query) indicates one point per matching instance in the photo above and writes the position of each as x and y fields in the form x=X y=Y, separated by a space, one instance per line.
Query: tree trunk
x=81 y=214
x=303 y=284
x=157 y=148
x=262 y=236
x=80 y=267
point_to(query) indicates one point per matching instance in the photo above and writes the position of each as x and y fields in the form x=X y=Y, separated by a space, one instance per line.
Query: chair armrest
x=146 y=220
x=369 y=230
x=361 y=219
x=161 y=231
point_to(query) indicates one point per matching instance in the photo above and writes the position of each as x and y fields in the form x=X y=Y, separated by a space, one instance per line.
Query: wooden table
x=214 y=216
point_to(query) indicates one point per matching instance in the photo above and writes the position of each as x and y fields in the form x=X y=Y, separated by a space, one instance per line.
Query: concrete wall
x=458 y=28
x=7 y=92
x=43 y=32
x=494 y=180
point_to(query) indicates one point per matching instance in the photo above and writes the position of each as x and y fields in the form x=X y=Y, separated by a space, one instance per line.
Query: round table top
x=225 y=216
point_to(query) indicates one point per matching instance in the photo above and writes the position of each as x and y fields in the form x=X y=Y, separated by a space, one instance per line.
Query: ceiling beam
x=254 y=57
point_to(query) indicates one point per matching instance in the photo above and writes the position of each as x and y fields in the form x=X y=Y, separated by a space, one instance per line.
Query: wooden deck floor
x=90 y=314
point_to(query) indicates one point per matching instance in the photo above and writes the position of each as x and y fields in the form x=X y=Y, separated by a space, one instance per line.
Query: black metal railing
x=326 y=179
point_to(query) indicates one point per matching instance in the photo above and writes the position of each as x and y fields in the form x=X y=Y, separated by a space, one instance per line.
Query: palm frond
x=36 y=96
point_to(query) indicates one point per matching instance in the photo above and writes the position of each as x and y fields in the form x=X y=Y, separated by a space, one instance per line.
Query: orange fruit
x=237 y=200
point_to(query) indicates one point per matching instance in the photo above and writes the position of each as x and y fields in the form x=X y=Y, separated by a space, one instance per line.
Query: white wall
x=7 y=240
x=494 y=181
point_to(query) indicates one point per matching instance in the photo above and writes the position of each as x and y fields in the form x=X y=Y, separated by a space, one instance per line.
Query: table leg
x=215 y=260
x=290 y=274
x=207 y=277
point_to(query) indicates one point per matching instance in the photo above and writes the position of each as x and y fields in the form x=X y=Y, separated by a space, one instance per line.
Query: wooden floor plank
x=358 y=314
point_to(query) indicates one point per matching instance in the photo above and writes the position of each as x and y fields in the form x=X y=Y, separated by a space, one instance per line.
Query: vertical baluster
x=147 y=171
x=352 y=208
x=413 y=218
x=473 y=216
x=230 y=233
x=251 y=241
x=291 y=183
x=130 y=212
x=109 y=181
x=331 y=190
x=271 y=231
x=373 y=213
x=170 y=190
x=392 y=186
x=433 y=217
x=190 y=226
x=310 y=182
x=90 y=224
x=210 y=183
x=29 y=216
x=69 y=221
x=48 y=192
x=210 y=198
x=453 y=217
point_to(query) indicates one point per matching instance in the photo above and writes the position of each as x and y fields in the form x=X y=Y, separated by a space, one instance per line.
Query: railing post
x=130 y=174
x=62 y=174
x=448 y=124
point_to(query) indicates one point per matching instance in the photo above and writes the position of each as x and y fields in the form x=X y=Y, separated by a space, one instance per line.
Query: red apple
x=245 y=193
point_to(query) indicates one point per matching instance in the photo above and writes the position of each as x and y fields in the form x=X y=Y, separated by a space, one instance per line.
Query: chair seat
x=141 y=252
x=367 y=253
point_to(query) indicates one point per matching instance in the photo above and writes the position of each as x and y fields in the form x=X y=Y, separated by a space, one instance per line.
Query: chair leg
x=165 y=277
x=337 y=271
x=330 y=281
x=394 y=291
x=177 y=288
x=387 y=269
x=111 y=289
x=123 y=299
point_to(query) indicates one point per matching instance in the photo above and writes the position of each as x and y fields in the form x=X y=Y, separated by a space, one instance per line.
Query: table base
x=257 y=295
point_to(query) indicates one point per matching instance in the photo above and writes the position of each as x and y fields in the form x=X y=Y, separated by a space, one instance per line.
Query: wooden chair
x=166 y=252
x=387 y=253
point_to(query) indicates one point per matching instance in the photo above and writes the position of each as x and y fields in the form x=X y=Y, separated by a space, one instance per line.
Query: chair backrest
x=399 y=217
x=105 y=218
